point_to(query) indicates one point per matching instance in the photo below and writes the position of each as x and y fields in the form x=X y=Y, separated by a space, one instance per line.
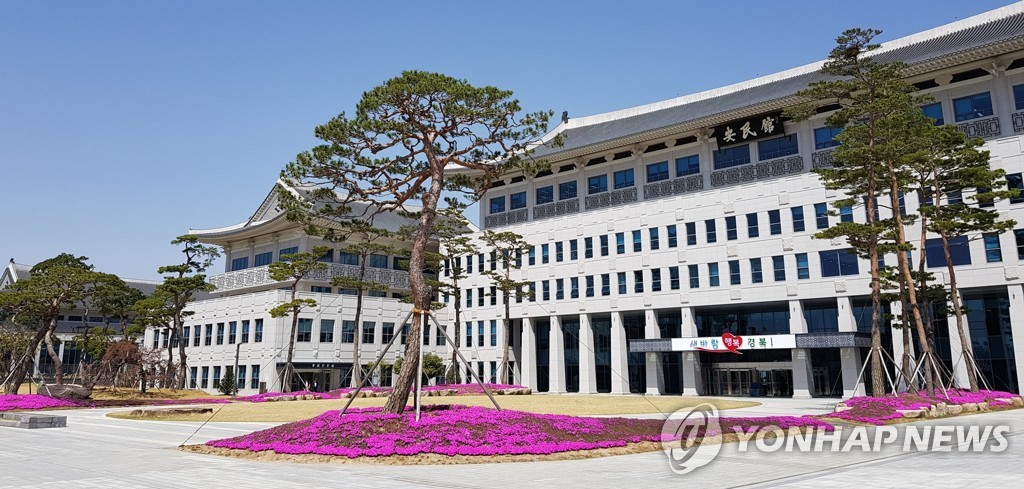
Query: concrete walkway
x=96 y=451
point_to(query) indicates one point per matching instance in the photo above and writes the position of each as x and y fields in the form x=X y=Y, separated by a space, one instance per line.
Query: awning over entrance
x=729 y=343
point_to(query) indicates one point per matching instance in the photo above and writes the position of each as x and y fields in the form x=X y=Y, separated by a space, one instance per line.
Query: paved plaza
x=97 y=451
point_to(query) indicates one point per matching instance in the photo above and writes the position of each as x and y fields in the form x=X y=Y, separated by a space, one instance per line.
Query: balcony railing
x=758 y=171
x=822 y=159
x=608 y=199
x=981 y=128
x=506 y=218
x=1018 y=122
x=260 y=276
x=562 y=207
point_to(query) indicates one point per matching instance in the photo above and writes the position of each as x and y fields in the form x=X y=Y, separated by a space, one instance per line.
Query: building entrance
x=749 y=382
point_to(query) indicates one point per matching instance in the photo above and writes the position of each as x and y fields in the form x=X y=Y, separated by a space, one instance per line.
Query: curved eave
x=223 y=236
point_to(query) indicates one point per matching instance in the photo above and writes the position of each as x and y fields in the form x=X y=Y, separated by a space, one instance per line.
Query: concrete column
x=1016 y=295
x=850 y=358
x=803 y=383
x=556 y=357
x=528 y=363
x=620 y=362
x=693 y=382
x=847 y=321
x=956 y=348
x=797 y=323
x=588 y=369
x=655 y=378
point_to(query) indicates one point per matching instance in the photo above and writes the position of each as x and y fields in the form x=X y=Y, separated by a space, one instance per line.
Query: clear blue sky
x=123 y=124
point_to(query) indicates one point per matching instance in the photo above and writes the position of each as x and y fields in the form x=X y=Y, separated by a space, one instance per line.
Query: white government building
x=661 y=234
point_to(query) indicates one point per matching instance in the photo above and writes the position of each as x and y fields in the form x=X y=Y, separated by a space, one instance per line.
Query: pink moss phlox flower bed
x=878 y=410
x=462 y=430
x=25 y=402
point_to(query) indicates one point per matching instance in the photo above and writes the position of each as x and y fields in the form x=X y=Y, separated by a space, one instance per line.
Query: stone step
x=32 y=421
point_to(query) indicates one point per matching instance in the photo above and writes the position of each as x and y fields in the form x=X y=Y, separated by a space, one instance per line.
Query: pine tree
x=294 y=267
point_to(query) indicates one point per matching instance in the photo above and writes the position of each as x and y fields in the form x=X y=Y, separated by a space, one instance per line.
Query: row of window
x=203 y=335
x=326 y=330
x=196 y=381
x=480 y=336
x=344 y=258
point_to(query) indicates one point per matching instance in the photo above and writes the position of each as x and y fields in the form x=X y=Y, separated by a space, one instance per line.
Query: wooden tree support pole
x=471 y=371
x=376 y=364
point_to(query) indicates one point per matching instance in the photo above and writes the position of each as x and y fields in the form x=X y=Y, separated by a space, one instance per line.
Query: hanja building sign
x=749 y=129
x=730 y=343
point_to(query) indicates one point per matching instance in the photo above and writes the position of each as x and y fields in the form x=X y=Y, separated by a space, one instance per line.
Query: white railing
x=260 y=276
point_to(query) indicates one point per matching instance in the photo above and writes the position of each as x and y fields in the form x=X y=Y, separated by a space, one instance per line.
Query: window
x=653 y=235
x=320 y=289
x=622 y=282
x=624 y=178
x=574 y=287
x=194 y=377
x=567 y=190
x=590 y=285
x=574 y=250
x=779 y=267
x=480 y=296
x=220 y=333
x=469 y=298
x=694 y=276
x=378 y=261
x=480 y=261
x=734 y=272
x=730 y=228
x=752 y=228
x=216 y=377
x=638 y=281
x=326 y=331
x=972 y=107
x=545 y=253
x=206 y=377
x=825 y=137
x=559 y=289
x=245 y=332
x=588 y=247
x=620 y=243
x=803 y=271
x=545 y=195
x=368 y=332
x=1018 y=236
x=935 y=112
x=597 y=184
x=258 y=334
x=346 y=258
x=657 y=172
x=774 y=222
x=545 y=288
x=655 y=279
x=469 y=334
x=798 y=219
x=993 y=253
x=188 y=334
x=304 y=333
x=777 y=147
x=232 y=332
x=713 y=275
x=517 y=201
x=287 y=251
x=821 y=215
x=348 y=332
x=1014 y=181
x=439 y=338
x=559 y=251
x=712 y=234
x=240 y=263
x=688 y=165
x=835 y=263
x=637 y=242
x=494 y=295
x=959 y=252
x=208 y=337
x=954 y=197
x=755 y=271
x=673 y=239
x=264 y=258
x=327 y=257
x=480 y=333
x=387 y=332
x=497 y=205
x=532 y=260
x=404 y=334
x=673 y=278
x=691 y=233
x=494 y=332
x=846 y=214
x=605 y=284
x=729 y=157
x=604 y=245
x=255 y=379
x=1018 y=97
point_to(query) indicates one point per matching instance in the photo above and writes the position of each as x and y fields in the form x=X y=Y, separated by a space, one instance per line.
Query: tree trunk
x=179 y=326
x=166 y=381
x=877 y=379
x=457 y=375
x=357 y=369
x=58 y=367
x=954 y=296
x=21 y=370
x=508 y=333
x=901 y=258
x=399 y=397
x=289 y=369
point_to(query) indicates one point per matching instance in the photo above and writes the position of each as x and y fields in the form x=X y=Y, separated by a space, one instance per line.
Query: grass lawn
x=577 y=405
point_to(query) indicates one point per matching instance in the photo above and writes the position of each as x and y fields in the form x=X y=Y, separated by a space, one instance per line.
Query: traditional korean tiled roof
x=989 y=34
